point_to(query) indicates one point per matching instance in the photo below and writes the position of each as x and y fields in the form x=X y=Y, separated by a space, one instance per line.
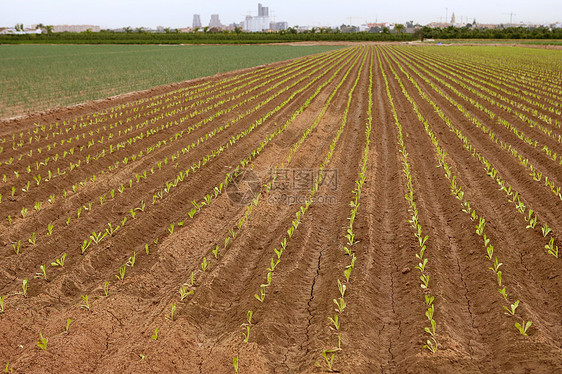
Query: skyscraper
x=215 y=22
x=263 y=11
x=196 y=20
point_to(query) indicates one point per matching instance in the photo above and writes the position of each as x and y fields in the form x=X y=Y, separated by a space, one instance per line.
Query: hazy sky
x=179 y=13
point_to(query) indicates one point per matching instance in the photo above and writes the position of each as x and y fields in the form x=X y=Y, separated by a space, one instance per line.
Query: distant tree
x=410 y=24
x=399 y=28
x=19 y=27
x=385 y=30
x=206 y=29
x=196 y=29
x=49 y=29
x=139 y=29
x=167 y=30
x=128 y=29
x=237 y=30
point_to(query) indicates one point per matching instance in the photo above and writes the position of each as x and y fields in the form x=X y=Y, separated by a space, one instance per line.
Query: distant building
x=263 y=11
x=215 y=21
x=278 y=26
x=196 y=21
x=259 y=23
x=453 y=19
x=75 y=28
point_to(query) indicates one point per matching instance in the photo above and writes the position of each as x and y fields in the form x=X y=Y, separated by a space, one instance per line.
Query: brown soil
x=383 y=324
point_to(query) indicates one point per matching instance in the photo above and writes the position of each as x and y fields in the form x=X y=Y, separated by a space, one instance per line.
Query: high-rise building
x=215 y=22
x=196 y=20
x=263 y=11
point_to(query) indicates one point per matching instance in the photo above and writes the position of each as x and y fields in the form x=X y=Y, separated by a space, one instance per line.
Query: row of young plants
x=188 y=95
x=494 y=138
x=524 y=76
x=138 y=105
x=153 y=131
x=139 y=177
x=299 y=215
x=71 y=150
x=328 y=355
x=428 y=297
x=187 y=288
x=468 y=208
x=531 y=218
x=111 y=148
x=41 y=132
x=97 y=237
x=519 y=133
x=233 y=233
x=493 y=82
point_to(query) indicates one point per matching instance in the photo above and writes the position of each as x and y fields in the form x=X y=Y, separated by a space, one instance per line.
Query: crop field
x=371 y=209
x=39 y=77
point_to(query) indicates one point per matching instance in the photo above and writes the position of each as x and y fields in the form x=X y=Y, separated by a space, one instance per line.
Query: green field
x=38 y=77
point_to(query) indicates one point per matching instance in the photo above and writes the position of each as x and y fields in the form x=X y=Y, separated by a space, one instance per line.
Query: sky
x=179 y=13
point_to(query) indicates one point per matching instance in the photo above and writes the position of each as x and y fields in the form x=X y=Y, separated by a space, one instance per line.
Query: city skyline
x=177 y=13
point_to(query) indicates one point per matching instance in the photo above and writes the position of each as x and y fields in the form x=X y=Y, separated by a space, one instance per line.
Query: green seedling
x=23 y=212
x=37 y=206
x=184 y=292
x=106 y=288
x=273 y=264
x=347 y=273
x=261 y=296
x=155 y=335
x=490 y=250
x=552 y=249
x=335 y=321
x=512 y=308
x=204 y=264
x=85 y=246
x=24 y=287
x=278 y=252
x=171 y=228
x=545 y=230
x=66 y=330
x=42 y=274
x=431 y=345
x=33 y=240
x=96 y=237
x=328 y=355
x=42 y=342
x=496 y=265
x=68 y=221
x=421 y=265
x=132 y=259
x=86 y=301
x=49 y=229
x=110 y=230
x=342 y=287
x=171 y=316
x=523 y=327
x=121 y=274
x=216 y=252
x=429 y=299
x=235 y=364
x=499 y=273
x=425 y=281
x=429 y=312
x=432 y=330
x=503 y=292
x=2 y=303
x=340 y=303
x=146 y=249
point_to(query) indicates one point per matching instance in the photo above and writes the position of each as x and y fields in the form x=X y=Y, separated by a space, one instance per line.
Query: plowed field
x=374 y=209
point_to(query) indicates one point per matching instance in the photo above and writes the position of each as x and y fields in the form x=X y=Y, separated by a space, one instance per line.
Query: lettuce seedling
x=42 y=342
